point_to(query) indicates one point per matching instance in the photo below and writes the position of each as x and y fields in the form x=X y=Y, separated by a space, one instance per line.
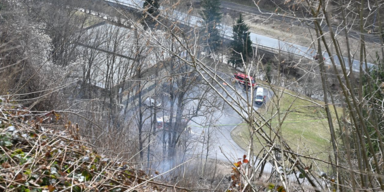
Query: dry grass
x=305 y=127
x=36 y=158
x=299 y=34
x=243 y=2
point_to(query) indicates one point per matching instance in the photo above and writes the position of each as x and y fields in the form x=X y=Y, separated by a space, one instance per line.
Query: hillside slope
x=35 y=158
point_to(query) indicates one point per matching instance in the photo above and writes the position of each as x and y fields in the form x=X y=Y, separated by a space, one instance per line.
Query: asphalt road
x=227 y=32
x=214 y=128
x=219 y=129
x=227 y=119
x=295 y=21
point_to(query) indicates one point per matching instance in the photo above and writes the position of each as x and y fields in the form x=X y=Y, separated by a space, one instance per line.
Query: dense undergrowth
x=34 y=157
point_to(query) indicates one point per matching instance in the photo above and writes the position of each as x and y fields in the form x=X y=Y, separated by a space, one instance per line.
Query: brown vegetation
x=38 y=152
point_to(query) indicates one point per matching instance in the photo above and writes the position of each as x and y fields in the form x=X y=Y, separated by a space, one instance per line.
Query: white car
x=152 y=102
x=259 y=100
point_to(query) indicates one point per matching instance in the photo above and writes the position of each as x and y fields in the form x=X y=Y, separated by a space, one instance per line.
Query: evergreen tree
x=241 y=43
x=211 y=15
x=373 y=90
x=153 y=9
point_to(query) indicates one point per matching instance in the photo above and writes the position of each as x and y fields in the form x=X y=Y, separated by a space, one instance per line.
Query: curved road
x=218 y=129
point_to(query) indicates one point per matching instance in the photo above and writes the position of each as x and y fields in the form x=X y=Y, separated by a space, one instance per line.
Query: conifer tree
x=241 y=43
x=211 y=16
x=153 y=9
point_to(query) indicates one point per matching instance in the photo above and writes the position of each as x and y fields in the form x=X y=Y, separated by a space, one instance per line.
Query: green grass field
x=305 y=128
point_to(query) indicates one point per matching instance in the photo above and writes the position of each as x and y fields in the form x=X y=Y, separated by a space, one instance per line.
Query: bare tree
x=114 y=65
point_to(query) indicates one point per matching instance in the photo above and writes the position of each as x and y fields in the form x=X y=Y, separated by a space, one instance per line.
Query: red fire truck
x=245 y=80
